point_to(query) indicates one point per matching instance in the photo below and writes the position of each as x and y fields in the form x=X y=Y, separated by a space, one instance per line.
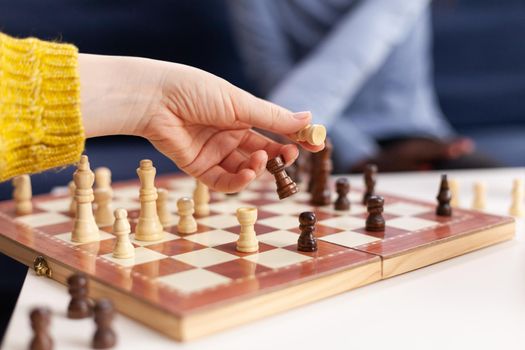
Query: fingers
x=237 y=161
x=262 y=114
x=460 y=147
x=253 y=141
x=218 y=179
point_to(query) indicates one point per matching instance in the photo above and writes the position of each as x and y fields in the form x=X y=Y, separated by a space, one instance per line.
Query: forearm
x=331 y=75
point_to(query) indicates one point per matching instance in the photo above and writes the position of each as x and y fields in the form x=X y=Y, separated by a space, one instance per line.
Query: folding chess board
x=188 y=286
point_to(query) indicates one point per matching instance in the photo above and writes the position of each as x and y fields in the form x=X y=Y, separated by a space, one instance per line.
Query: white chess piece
x=517 y=209
x=453 y=185
x=103 y=178
x=479 y=201
x=247 y=242
x=85 y=228
x=165 y=216
x=123 y=248
x=22 y=195
x=149 y=227
x=103 y=214
x=201 y=196
x=187 y=223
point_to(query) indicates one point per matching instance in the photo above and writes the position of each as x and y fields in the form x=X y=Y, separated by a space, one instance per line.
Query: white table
x=476 y=301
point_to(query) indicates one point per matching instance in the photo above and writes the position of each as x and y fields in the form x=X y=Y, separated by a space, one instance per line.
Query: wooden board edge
x=145 y=313
x=208 y=322
x=451 y=248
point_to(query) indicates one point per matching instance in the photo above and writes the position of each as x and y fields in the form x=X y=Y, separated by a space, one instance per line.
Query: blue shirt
x=362 y=67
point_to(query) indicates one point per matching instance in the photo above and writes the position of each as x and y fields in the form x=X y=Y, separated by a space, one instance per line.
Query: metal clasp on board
x=41 y=267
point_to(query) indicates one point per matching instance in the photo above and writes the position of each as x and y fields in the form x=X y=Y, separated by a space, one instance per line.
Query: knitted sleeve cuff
x=40 y=119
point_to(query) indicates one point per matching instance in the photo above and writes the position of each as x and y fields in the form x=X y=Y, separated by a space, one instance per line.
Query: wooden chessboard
x=189 y=286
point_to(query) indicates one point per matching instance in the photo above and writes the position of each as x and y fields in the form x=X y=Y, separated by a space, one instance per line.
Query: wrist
x=116 y=93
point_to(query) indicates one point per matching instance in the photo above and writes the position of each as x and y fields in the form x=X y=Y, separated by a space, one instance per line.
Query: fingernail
x=302 y=115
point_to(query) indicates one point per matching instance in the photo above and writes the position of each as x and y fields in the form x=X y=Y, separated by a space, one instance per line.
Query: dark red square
x=387 y=233
x=162 y=267
x=238 y=268
x=320 y=230
x=323 y=249
x=176 y=247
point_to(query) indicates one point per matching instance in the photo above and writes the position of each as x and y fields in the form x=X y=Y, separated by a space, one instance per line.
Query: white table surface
x=476 y=301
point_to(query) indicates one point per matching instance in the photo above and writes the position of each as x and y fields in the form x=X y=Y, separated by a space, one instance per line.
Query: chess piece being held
x=40 y=320
x=285 y=186
x=444 y=197
x=123 y=248
x=247 y=242
x=22 y=195
x=307 y=241
x=80 y=305
x=375 y=221
x=104 y=337
x=314 y=134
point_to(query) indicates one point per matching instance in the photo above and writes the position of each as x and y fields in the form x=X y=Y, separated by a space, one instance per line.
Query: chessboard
x=187 y=286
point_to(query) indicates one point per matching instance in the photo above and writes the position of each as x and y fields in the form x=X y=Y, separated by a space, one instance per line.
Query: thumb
x=265 y=115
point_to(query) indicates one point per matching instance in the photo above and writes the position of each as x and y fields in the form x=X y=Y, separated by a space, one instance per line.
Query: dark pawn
x=307 y=241
x=375 y=221
x=104 y=337
x=444 y=196
x=285 y=186
x=80 y=305
x=40 y=319
x=370 y=181
x=321 y=192
x=342 y=187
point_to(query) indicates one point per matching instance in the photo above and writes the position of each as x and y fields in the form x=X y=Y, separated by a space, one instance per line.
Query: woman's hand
x=201 y=122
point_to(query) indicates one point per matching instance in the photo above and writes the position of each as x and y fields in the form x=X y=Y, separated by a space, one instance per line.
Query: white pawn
x=166 y=219
x=187 y=223
x=247 y=242
x=453 y=185
x=479 y=201
x=201 y=196
x=103 y=214
x=22 y=194
x=123 y=248
x=73 y=204
x=516 y=209
x=103 y=178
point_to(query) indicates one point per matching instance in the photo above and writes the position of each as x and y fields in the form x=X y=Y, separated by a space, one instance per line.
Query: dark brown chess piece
x=293 y=172
x=285 y=186
x=104 y=337
x=342 y=187
x=313 y=170
x=375 y=221
x=307 y=241
x=80 y=306
x=321 y=194
x=370 y=181
x=40 y=320
x=444 y=196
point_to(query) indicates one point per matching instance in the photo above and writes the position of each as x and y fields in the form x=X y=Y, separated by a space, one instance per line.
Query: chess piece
x=40 y=320
x=187 y=223
x=294 y=171
x=22 y=194
x=247 y=242
x=307 y=241
x=375 y=221
x=444 y=197
x=103 y=214
x=201 y=197
x=285 y=186
x=314 y=134
x=123 y=248
x=453 y=185
x=80 y=305
x=73 y=204
x=321 y=194
x=85 y=228
x=516 y=209
x=479 y=201
x=149 y=227
x=103 y=178
x=370 y=181
x=105 y=336
x=165 y=216
x=342 y=188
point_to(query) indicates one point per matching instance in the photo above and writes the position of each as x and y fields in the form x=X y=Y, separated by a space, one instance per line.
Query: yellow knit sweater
x=40 y=120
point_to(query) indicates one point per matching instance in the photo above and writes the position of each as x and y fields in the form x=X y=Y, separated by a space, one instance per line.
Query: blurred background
x=479 y=71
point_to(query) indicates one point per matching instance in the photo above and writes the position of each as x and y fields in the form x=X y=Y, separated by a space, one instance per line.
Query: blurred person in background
x=364 y=69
